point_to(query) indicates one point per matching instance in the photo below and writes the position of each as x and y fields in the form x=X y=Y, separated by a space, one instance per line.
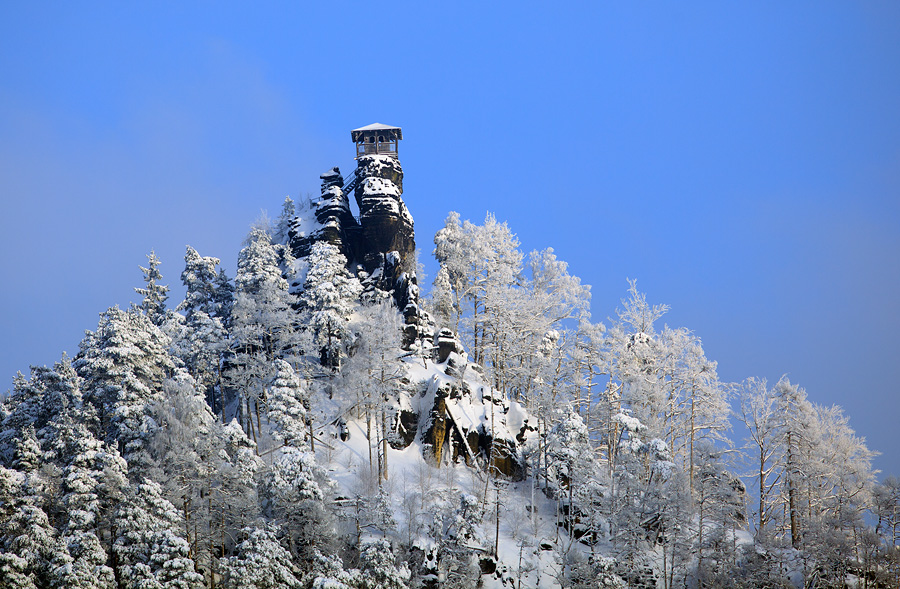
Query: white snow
x=632 y=424
x=305 y=223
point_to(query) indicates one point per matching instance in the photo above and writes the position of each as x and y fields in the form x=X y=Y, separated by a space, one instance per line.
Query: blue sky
x=740 y=160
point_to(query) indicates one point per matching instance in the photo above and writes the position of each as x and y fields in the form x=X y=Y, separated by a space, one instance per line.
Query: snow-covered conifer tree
x=379 y=568
x=38 y=402
x=149 y=548
x=93 y=479
x=207 y=290
x=208 y=469
x=327 y=300
x=287 y=406
x=27 y=541
x=123 y=365
x=155 y=294
x=283 y=223
x=573 y=472
x=260 y=562
x=262 y=327
x=296 y=501
x=201 y=341
x=443 y=305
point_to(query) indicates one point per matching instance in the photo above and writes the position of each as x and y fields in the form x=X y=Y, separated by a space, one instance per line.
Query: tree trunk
x=497 y=524
x=692 y=448
x=384 y=444
x=792 y=497
x=762 y=491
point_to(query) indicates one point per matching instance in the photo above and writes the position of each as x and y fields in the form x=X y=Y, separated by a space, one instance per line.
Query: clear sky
x=740 y=160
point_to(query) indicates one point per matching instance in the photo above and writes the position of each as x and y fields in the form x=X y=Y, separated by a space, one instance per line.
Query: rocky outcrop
x=472 y=426
x=380 y=246
x=455 y=417
x=386 y=223
x=331 y=220
x=447 y=344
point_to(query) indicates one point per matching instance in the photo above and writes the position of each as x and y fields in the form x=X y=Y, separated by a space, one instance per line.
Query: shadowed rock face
x=333 y=212
x=441 y=434
x=336 y=224
x=386 y=223
x=381 y=242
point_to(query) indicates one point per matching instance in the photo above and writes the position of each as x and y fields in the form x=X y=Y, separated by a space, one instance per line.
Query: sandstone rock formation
x=386 y=223
x=454 y=416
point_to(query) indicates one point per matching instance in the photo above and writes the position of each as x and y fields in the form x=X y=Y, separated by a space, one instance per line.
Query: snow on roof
x=375 y=127
x=355 y=133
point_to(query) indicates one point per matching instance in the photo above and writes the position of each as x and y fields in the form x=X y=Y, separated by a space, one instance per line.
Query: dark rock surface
x=335 y=223
x=386 y=223
x=381 y=243
x=446 y=345
x=446 y=440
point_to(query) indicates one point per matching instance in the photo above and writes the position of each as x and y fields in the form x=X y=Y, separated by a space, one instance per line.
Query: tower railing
x=350 y=182
x=388 y=147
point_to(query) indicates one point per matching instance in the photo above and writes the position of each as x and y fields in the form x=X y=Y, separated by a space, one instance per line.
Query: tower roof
x=355 y=134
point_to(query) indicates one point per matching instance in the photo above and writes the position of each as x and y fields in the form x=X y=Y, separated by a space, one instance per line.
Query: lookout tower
x=376 y=139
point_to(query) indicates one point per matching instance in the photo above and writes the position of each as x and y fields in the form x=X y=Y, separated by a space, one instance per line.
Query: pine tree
x=571 y=469
x=37 y=402
x=262 y=324
x=123 y=365
x=25 y=529
x=26 y=538
x=283 y=223
x=93 y=479
x=297 y=503
x=379 y=569
x=287 y=406
x=149 y=550
x=201 y=343
x=209 y=472
x=201 y=340
x=328 y=298
x=207 y=290
x=155 y=294
x=260 y=563
x=443 y=305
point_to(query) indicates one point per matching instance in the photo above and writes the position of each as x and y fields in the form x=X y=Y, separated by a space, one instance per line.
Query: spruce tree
x=123 y=365
x=260 y=562
x=155 y=294
x=262 y=327
x=149 y=548
x=327 y=300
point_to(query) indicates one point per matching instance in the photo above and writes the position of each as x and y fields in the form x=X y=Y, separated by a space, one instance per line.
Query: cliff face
x=386 y=223
x=465 y=421
x=382 y=242
x=329 y=220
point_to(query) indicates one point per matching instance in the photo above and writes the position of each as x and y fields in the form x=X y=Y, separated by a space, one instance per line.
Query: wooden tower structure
x=376 y=139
